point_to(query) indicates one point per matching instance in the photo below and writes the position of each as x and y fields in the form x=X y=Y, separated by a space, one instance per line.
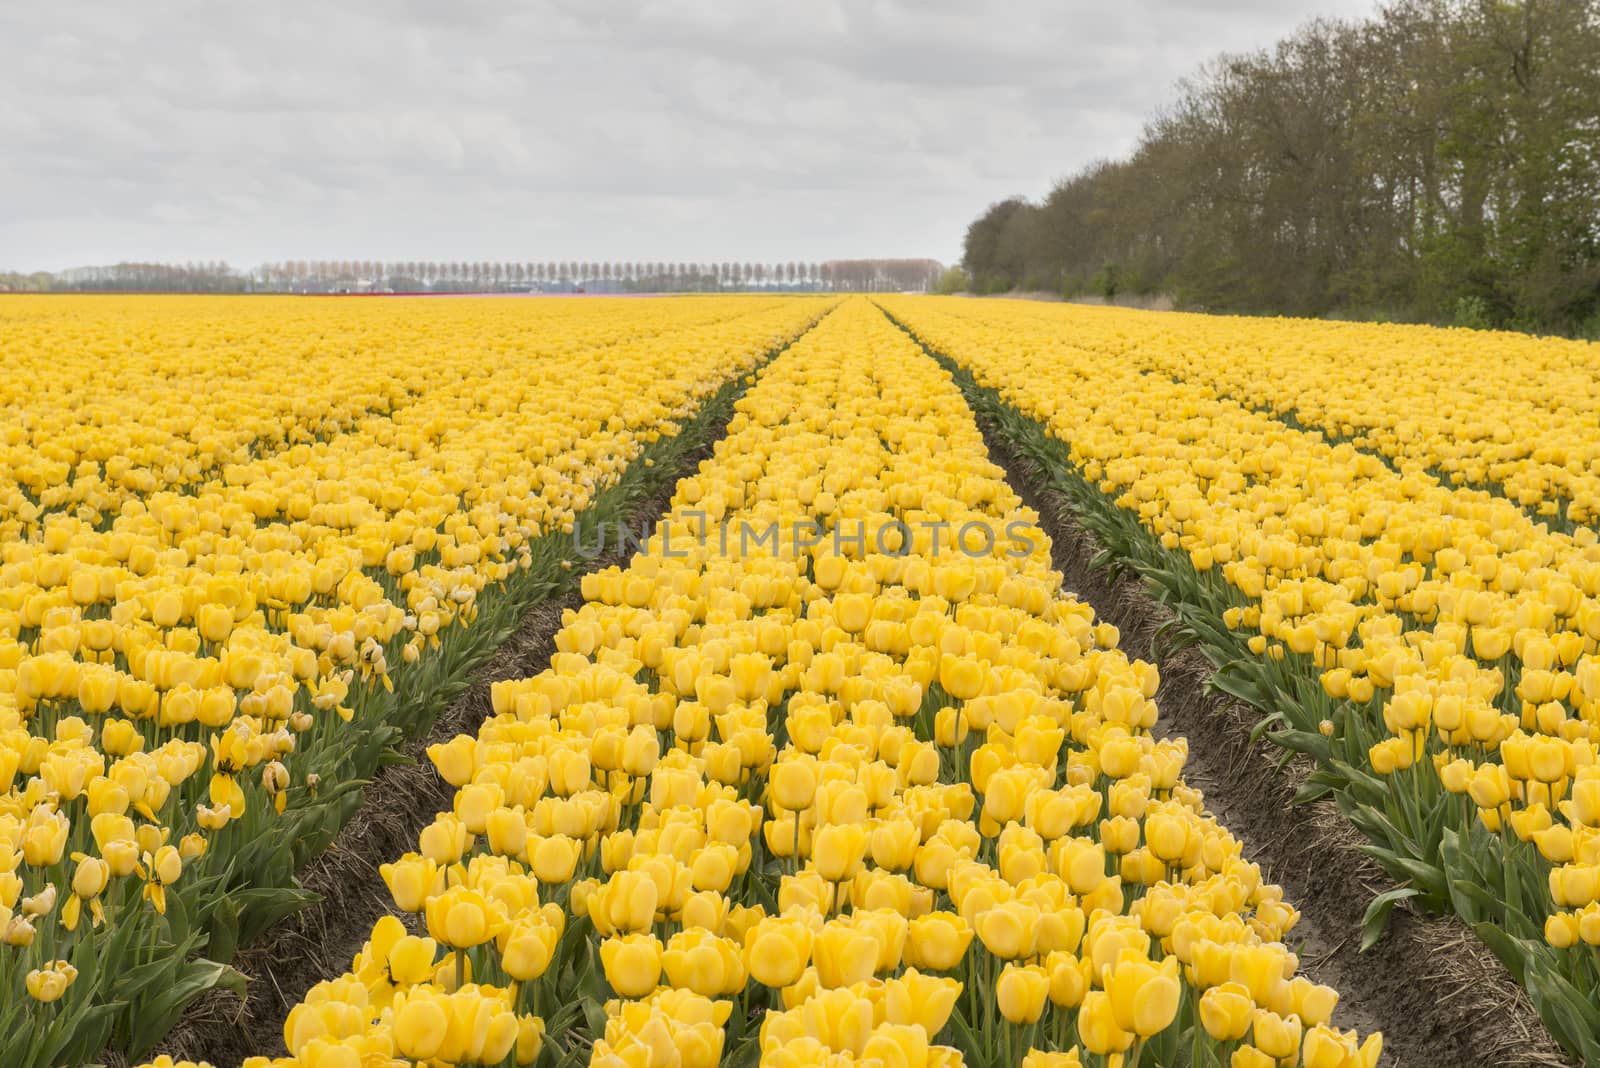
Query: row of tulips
x=200 y=387
x=1502 y=411
x=1432 y=649
x=193 y=689
x=845 y=794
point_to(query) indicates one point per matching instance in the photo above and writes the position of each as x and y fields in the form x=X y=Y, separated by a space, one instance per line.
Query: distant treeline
x=1440 y=161
x=364 y=276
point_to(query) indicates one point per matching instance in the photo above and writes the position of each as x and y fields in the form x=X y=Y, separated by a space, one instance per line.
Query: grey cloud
x=560 y=129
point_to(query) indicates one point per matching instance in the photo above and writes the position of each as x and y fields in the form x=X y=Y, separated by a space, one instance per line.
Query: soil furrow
x=1437 y=994
x=318 y=942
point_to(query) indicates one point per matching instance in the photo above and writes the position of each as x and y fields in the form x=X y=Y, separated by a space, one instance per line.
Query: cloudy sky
x=569 y=129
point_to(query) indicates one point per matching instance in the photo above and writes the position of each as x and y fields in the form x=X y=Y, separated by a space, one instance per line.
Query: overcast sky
x=569 y=129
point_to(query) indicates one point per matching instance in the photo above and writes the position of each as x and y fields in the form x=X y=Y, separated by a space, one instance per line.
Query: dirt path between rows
x=1436 y=992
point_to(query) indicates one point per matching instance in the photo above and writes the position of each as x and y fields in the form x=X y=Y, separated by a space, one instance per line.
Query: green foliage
x=1106 y=281
x=15 y=282
x=953 y=280
x=1591 y=327
x=1472 y=312
x=1439 y=161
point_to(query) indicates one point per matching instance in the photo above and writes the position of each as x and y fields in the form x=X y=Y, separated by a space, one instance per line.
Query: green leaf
x=969 y=1041
x=1512 y=952
x=178 y=919
x=224 y=930
x=1572 y=1018
x=595 y=1014
x=1372 y=789
x=1311 y=790
x=261 y=907
x=1432 y=879
x=1265 y=724
x=157 y=1014
x=1376 y=920
x=1310 y=743
x=394 y=758
x=1238 y=686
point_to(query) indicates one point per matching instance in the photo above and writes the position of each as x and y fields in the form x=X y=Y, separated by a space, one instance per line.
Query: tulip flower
x=48 y=983
x=632 y=964
x=1226 y=1012
x=937 y=941
x=88 y=882
x=1021 y=992
x=777 y=950
x=462 y=918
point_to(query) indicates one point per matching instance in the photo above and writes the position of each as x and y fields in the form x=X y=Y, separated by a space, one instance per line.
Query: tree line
x=335 y=276
x=1438 y=161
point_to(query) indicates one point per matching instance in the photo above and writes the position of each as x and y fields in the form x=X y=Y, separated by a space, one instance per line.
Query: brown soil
x=1438 y=995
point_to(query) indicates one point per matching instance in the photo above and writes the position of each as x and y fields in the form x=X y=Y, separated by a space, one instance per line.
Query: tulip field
x=833 y=770
x=1383 y=538
x=245 y=543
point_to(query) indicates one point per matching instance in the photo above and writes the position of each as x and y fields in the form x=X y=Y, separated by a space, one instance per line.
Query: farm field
x=1384 y=549
x=249 y=546
x=840 y=766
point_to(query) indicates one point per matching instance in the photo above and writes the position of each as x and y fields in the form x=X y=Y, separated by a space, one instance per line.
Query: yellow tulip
x=1251 y=1057
x=420 y=1024
x=794 y=784
x=714 y=866
x=1575 y=885
x=214 y=621
x=837 y=850
x=554 y=858
x=1226 y=1012
x=1144 y=996
x=530 y=1040
x=632 y=964
x=937 y=941
x=844 y=955
x=1038 y=1058
x=47 y=984
x=1327 y=1048
x=1069 y=979
x=462 y=918
x=700 y=961
x=626 y=902
x=456 y=759
x=1021 y=992
x=962 y=678
x=411 y=881
x=1167 y=834
x=44 y=843
x=527 y=948
x=641 y=751
x=1275 y=1035
x=1010 y=930
x=777 y=950
x=921 y=1000
x=1097 y=1025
